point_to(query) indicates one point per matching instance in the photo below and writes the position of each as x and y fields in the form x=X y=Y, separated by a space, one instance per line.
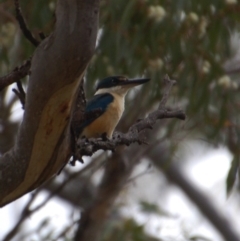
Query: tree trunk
x=58 y=64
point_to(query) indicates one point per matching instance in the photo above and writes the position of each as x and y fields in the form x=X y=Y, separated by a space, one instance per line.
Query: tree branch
x=89 y=146
x=43 y=141
x=27 y=33
x=17 y=74
x=174 y=174
x=118 y=168
x=20 y=93
x=93 y=218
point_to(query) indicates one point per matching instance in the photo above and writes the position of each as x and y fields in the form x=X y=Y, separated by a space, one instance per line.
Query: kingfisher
x=108 y=102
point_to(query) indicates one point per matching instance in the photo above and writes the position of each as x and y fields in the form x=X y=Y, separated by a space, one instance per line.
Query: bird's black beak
x=134 y=82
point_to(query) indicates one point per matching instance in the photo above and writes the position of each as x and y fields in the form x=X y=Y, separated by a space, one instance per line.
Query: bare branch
x=94 y=217
x=117 y=169
x=20 y=93
x=89 y=146
x=169 y=83
x=27 y=33
x=17 y=74
x=26 y=212
x=51 y=92
x=175 y=175
x=42 y=35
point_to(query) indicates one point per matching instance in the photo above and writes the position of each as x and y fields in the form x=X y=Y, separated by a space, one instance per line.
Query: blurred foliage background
x=194 y=42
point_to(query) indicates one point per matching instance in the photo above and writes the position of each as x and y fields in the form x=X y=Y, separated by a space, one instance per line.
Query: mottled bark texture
x=58 y=64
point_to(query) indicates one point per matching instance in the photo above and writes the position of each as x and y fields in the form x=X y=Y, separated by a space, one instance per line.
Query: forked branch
x=89 y=146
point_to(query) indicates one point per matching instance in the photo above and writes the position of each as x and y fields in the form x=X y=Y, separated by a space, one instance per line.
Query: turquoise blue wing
x=97 y=104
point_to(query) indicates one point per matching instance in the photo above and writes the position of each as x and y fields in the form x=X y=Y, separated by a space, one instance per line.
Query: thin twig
x=20 y=93
x=65 y=231
x=25 y=213
x=42 y=35
x=169 y=83
x=89 y=146
x=17 y=74
x=27 y=33
x=176 y=176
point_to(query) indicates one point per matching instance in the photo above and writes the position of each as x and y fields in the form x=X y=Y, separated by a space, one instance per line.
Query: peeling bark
x=58 y=64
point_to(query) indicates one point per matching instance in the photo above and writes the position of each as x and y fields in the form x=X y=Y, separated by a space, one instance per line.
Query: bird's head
x=118 y=84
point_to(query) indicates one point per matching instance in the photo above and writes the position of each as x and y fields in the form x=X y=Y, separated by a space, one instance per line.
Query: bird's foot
x=105 y=137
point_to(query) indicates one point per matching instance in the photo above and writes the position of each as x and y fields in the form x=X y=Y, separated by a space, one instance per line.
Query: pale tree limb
x=204 y=204
x=43 y=143
x=76 y=189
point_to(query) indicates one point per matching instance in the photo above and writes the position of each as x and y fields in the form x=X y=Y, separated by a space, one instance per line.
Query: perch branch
x=89 y=146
